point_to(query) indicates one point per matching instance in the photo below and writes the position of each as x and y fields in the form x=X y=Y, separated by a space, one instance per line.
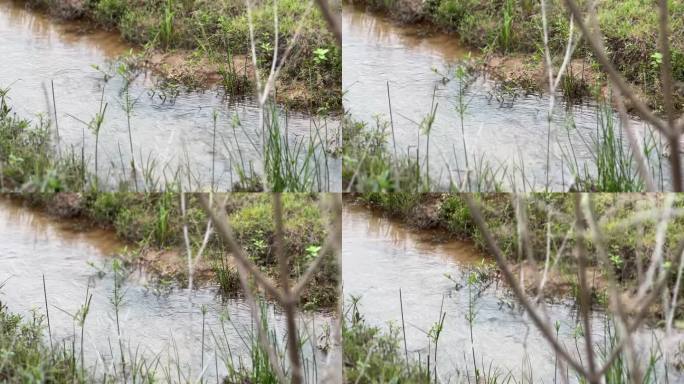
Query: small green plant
x=312 y=252
x=321 y=55
x=162 y=228
x=656 y=60
x=25 y=356
x=616 y=260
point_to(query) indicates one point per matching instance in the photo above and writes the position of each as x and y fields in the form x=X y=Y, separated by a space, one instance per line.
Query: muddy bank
x=426 y=220
x=74 y=214
x=105 y=314
x=448 y=217
x=150 y=229
x=511 y=33
x=204 y=44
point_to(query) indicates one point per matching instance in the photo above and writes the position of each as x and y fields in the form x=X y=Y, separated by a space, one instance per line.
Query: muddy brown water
x=163 y=322
x=380 y=257
x=508 y=135
x=174 y=132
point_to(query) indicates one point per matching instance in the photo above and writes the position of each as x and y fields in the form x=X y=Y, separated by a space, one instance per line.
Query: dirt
x=162 y=264
x=531 y=74
x=171 y=264
x=557 y=284
x=188 y=68
x=66 y=205
x=426 y=214
x=70 y=9
x=404 y=11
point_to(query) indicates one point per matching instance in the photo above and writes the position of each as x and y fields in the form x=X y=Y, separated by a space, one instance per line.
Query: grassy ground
x=153 y=225
x=513 y=29
x=374 y=355
x=368 y=164
x=27 y=159
x=451 y=214
x=25 y=357
x=205 y=34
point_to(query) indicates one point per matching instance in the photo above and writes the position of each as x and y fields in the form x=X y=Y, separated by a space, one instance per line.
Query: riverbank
x=449 y=216
x=152 y=227
x=509 y=36
x=208 y=43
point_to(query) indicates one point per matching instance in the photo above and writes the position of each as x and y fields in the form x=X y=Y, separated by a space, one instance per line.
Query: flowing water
x=174 y=131
x=163 y=323
x=509 y=135
x=381 y=257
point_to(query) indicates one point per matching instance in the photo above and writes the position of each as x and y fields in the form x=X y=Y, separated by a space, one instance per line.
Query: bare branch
x=494 y=249
x=332 y=19
x=289 y=304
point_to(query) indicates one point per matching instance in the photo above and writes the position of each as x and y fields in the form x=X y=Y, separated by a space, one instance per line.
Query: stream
x=164 y=323
x=381 y=257
x=508 y=137
x=170 y=132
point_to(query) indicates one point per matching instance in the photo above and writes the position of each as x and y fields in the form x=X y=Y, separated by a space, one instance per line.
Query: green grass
x=612 y=167
x=25 y=357
x=374 y=355
x=27 y=160
x=294 y=165
x=368 y=164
